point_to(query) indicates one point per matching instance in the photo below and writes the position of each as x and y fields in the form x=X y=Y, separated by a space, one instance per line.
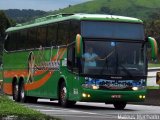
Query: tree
x=4 y=24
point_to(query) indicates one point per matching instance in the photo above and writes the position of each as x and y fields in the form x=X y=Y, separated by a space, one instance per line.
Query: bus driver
x=90 y=58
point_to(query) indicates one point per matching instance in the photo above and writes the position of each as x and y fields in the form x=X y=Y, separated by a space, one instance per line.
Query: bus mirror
x=158 y=78
x=154 y=47
x=79 y=46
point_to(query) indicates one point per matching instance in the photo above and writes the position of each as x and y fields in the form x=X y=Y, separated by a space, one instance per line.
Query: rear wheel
x=63 y=101
x=15 y=91
x=120 y=105
x=21 y=92
x=23 y=96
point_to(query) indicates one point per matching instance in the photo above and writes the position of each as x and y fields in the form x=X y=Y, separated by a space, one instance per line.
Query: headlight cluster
x=95 y=87
x=139 y=88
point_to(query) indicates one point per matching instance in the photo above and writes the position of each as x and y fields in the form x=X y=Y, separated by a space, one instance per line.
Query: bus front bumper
x=89 y=95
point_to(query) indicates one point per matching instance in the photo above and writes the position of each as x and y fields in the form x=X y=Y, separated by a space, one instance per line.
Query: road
x=95 y=111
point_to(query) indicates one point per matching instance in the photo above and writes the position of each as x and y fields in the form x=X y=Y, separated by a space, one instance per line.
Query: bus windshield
x=114 y=30
x=113 y=58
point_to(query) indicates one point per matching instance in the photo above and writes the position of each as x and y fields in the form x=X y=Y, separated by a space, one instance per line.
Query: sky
x=46 y=5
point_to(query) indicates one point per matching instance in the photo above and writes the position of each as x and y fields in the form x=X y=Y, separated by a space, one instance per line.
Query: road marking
x=74 y=111
x=71 y=113
x=83 y=116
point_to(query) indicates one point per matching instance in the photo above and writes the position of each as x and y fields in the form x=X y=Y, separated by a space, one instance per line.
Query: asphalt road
x=96 y=111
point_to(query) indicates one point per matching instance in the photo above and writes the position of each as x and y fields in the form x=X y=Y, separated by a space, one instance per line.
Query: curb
x=154 y=69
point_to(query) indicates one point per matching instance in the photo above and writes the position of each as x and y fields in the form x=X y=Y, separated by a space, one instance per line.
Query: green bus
x=49 y=58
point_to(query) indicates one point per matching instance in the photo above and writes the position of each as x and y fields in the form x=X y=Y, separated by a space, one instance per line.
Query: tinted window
x=32 y=38
x=11 y=42
x=71 y=60
x=112 y=30
x=63 y=33
x=21 y=42
x=52 y=35
x=41 y=36
x=74 y=30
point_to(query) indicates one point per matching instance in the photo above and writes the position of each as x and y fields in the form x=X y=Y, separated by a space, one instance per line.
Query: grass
x=153 y=87
x=11 y=110
x=153 y=65
x=134 y=8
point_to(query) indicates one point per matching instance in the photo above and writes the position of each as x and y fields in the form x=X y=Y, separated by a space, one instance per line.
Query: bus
x=44 y=58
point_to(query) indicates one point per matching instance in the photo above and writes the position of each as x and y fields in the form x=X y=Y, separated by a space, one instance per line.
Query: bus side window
x=74 y=30
x=42 y=36
x=32 y=39
x=63 y=33
x=11 y=42
x=52 y=35
x=21 y=42
x=71 y=59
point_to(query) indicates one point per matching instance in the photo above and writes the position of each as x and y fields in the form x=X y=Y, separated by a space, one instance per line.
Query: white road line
x=83 y=116
x=73 y=111
x=61 y=111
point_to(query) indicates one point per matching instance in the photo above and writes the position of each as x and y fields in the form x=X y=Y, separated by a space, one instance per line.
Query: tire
x=120 y=105
x=15 y=89
x=21 y=92
x=63 y=100
x=23 y=97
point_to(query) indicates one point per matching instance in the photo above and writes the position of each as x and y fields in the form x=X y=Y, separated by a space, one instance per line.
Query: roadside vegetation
x=153 y=65
x=11 y=110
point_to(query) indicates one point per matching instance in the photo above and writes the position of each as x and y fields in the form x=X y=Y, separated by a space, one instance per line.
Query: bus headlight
x=94 y=87
x=134 y=88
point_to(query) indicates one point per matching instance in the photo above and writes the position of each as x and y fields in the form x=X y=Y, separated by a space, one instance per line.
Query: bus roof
x=79 y=16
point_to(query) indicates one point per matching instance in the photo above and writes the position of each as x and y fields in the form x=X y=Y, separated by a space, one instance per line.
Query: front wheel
x=120 y=105
x=63 y=101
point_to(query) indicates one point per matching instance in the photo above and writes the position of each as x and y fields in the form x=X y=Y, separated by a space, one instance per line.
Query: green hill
x=143 y=9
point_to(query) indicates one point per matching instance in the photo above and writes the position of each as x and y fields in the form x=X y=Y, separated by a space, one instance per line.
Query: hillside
x=23 y=15
x=143 y=9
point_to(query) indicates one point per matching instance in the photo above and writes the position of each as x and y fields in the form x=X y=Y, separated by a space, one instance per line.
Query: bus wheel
x=63 y=101
x=21 y=92
x=15 y=91
x=120 y=105
x=63 y=95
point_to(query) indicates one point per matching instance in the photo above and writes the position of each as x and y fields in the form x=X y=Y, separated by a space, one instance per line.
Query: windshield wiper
x=106 y=61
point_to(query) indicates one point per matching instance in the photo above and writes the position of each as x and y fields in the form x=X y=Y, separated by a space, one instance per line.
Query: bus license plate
x=116 y=96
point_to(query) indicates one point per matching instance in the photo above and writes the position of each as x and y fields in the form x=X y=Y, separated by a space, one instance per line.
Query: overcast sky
x=45 y=5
